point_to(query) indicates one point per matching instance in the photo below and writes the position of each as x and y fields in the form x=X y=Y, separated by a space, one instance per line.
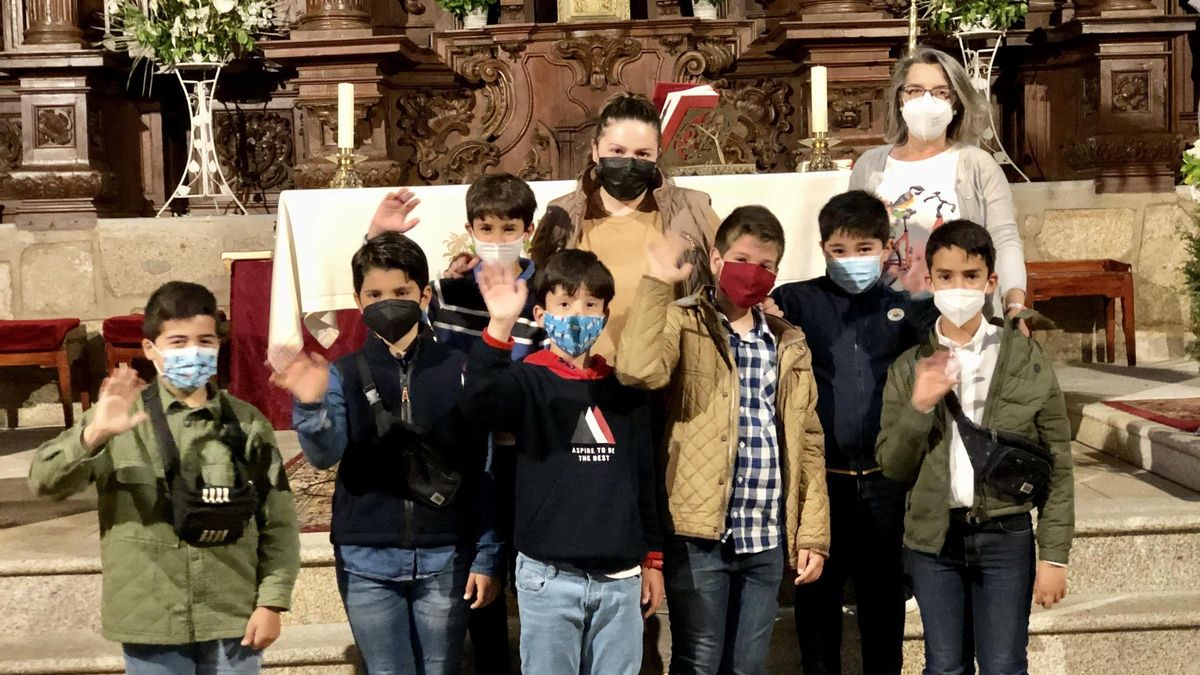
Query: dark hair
x=856 y=213
x=964 y=234
x=176 y=300
x=501 y=195
x=756 y=221
x=628 y=107
x=570 y=269
x=391 y=251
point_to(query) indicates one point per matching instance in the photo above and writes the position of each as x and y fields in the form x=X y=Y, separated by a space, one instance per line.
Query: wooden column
x=1090 y=8
x=50 y=22
x=335 y=15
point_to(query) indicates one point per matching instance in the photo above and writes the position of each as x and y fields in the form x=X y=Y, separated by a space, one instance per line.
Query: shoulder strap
x=378 y=410
x=956 y=411
x=162 y=433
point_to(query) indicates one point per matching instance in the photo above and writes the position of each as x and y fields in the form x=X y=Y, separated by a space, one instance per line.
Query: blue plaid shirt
x=754 y=506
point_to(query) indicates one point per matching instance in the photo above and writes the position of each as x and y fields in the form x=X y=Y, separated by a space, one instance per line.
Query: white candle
x=820 y=99
x=345 y=128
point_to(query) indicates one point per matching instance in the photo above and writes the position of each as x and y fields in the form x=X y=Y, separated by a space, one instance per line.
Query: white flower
x=224 y=6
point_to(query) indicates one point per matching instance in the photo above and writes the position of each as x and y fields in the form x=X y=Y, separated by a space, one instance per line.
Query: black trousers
x=866 y=528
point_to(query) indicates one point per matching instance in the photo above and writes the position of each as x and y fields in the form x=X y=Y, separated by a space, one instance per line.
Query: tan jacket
x=686 y=212
x=684 y=345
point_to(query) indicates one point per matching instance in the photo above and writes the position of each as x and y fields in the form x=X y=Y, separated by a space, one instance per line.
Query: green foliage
x=461 y=8
x=1191 y=165
x=1191 y=280
x=191 y=31
x=949 y=16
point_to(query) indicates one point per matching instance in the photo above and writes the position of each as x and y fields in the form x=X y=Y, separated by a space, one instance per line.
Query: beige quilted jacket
x=684 y=346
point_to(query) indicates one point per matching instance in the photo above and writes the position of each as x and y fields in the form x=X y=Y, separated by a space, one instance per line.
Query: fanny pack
x=204 y=515
x=1007 y=462
x=427 y=479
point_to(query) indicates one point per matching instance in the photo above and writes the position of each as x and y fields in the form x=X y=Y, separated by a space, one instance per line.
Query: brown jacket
x=686 y=212
x=684 y=345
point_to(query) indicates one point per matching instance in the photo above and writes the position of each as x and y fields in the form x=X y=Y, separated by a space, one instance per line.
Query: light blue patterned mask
x=574 y=333
x=188 y=368
x=854 y=275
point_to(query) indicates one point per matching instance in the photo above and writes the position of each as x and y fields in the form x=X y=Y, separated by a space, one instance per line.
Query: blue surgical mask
x=854 y=275
x=188 y=368
x=574 y=333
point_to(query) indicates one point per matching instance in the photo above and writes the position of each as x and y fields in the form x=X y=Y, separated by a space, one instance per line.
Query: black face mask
x=626 y=178
x=392 y=319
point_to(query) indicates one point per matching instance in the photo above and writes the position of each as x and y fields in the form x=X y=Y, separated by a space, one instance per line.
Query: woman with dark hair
x=932 y=171
x=623 y=204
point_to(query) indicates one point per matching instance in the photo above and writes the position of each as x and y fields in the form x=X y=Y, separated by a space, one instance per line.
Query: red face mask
x=746 y=284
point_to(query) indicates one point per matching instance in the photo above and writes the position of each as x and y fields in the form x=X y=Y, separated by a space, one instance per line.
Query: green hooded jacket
x=914 y=447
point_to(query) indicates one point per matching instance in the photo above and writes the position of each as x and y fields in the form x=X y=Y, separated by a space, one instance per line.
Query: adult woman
x=622 y=204
x=931 y=172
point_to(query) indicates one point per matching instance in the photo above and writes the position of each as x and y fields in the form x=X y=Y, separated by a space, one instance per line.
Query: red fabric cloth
x=250 y=309
x=125 y=331
x=34 y=335
x=1177 y=413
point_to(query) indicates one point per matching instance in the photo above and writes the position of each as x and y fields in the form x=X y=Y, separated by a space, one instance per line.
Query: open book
x=676 y=99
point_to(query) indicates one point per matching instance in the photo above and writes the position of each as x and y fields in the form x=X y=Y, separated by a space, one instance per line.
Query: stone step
x=301 y=650
x=1148 y=445
x=1098 y=634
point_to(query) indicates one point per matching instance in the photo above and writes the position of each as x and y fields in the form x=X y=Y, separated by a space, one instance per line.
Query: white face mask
x=959 y=305
x=927 y=117
x=508 y=252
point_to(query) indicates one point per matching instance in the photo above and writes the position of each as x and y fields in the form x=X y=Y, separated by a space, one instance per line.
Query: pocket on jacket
x=143 y=582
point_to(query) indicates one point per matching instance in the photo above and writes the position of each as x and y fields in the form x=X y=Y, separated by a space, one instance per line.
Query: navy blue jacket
x=854 y=340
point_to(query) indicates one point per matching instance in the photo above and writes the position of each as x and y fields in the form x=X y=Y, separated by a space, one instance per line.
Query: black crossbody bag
x=426 y=478
x=204 y=515
x=1007 y=462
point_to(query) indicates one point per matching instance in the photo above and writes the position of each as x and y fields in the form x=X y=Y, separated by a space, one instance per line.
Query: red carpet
x=313 y=490
x=1178 y=413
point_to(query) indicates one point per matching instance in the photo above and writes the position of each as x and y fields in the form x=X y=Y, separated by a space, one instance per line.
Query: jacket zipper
x=406 y=521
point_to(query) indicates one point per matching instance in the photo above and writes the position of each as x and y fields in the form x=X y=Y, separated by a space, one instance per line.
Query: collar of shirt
x=597 y=368
x=171 y=400
x=978 y=341
x=760 y=330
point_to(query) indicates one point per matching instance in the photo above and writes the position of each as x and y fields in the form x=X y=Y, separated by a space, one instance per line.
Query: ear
x=149 y=351
x=993 y=283
x=426 y=296
x=538 y=316
x=358 y=300
x=467 y=227
x=714 y=261
x=595 y=152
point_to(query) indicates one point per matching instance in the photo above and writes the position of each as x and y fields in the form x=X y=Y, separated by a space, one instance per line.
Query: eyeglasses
x=913 y=91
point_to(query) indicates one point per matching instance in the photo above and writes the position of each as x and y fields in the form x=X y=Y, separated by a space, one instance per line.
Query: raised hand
x=306 y=377
x=771 y=308
x=662 y=260
x=503 y=293
x=915 y=279
x=934 y=379
x=461 y=266
x=392 y=213
x=111 y=415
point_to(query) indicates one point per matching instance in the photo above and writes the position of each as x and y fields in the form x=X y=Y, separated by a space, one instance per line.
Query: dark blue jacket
x=854 y=340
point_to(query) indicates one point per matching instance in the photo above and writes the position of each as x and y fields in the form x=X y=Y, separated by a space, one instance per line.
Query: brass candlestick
x=346 y=176
x=821 y=159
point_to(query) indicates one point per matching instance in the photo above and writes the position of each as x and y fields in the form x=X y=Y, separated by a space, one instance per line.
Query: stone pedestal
x=339 y=15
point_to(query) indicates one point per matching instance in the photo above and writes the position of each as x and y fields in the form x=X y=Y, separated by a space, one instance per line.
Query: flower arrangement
x=950 y=16
x=461 y=8
x=172 y=32
x=1191 y=167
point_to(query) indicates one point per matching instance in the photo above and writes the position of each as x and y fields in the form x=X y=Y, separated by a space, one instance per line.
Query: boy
x=390 y=413
x=223 y=592
x=587 y=531
x=970 y=546
x=745 y=473
x=856 y=326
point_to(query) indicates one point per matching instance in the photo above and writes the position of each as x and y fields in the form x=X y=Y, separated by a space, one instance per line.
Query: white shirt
x=976 y=361
x=920 y=196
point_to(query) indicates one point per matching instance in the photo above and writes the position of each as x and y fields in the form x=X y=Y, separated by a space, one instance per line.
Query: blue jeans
x=215 y=657
x=723 y=606
x=408 y=627
x=576 y=623
x=983 y=577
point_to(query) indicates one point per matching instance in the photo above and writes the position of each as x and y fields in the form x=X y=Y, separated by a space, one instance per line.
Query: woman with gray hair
x=932 y=171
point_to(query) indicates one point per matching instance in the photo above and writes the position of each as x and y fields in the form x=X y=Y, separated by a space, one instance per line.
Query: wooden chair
x=1108 y=279
x=49 y=343
x=123 y=343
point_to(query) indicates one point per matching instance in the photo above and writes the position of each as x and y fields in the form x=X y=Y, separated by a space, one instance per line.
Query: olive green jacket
x=157 y=589
x=1024 y=397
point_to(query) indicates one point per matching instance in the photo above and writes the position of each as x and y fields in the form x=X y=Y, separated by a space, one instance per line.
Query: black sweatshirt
x=585 y=490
